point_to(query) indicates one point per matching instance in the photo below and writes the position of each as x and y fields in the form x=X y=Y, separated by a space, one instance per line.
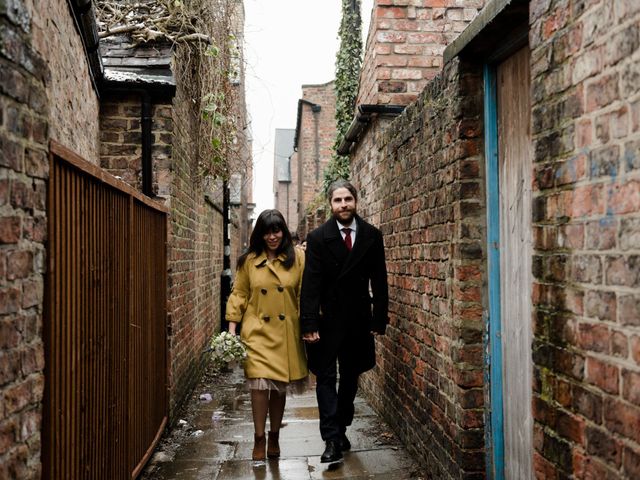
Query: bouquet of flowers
x=226 y=349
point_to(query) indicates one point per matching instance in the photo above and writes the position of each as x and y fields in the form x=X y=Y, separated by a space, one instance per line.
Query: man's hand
x=311 y=337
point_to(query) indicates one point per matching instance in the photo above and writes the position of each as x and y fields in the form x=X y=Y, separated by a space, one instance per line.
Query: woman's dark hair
x=270 y=221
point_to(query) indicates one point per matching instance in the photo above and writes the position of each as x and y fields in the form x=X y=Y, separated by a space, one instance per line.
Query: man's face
x=343 y=206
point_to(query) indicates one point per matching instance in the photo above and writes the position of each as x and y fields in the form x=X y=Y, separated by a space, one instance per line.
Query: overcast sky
x=289 y=43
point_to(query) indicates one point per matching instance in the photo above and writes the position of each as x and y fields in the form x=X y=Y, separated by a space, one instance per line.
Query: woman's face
x=272 y=240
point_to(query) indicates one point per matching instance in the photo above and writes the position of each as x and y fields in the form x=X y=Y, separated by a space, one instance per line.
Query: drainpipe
x=316 y=114
x=145 y=126
x=146 y=121
x=225 y=278
x=288 y=212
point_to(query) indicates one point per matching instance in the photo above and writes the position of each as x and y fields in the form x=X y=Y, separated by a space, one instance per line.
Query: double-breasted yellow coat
x=265 y=298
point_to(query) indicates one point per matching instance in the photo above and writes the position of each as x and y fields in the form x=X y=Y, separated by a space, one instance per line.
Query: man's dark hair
x=341 y=183
x=270 y=221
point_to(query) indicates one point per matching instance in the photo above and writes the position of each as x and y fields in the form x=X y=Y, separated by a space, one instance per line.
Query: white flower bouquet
x=226 y=349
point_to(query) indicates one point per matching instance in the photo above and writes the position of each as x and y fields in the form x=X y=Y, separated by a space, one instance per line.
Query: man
x=343 y=306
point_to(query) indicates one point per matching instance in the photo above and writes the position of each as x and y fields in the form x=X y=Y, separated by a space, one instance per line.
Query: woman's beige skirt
x=296 y=387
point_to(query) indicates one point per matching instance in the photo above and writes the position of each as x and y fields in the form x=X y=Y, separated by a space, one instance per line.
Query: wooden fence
x=105 y=327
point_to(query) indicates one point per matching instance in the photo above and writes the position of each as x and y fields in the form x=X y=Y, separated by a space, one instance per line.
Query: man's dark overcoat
x=344 y=296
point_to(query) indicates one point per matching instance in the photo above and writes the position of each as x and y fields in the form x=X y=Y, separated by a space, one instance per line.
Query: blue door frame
x=495 y=437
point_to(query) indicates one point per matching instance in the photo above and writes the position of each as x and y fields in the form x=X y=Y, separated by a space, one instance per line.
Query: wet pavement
x=214 y=438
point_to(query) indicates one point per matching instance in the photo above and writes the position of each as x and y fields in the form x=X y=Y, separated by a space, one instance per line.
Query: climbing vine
x=207 y=62
x=348 y=63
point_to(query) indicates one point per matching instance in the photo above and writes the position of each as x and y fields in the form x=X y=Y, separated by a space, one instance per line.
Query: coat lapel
x=337 y=248
x=360 y=247
x=334 y=242
x=261 y=262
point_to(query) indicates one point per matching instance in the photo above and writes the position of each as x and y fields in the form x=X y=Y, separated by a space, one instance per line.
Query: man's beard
x=348 y=221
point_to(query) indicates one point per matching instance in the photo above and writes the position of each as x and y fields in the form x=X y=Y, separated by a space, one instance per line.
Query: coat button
x=263 y=291
x=280 y=289
x=266 y=318
x=281 y=316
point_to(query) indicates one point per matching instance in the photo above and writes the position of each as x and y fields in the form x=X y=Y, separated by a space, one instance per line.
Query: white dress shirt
x=353 y=227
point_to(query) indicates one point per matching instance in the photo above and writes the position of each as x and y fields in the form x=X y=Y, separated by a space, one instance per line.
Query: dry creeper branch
x=207 y=59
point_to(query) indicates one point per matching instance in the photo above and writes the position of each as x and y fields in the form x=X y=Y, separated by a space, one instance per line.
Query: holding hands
x=311 y=337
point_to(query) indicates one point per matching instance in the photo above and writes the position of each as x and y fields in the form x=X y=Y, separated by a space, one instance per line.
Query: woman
x=265 y=299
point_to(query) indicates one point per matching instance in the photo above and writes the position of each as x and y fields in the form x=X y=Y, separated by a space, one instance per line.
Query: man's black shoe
x=332 y=453
x=345 y=444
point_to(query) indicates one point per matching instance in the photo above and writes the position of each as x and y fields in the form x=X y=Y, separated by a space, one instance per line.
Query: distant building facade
x=285 y=197
x=313 y=147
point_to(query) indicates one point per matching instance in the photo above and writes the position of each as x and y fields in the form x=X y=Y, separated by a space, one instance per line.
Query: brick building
x=54 y=86
x=313 y=147
x=509 y=197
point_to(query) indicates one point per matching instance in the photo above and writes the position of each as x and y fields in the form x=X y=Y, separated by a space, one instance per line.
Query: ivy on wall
x=348 y=63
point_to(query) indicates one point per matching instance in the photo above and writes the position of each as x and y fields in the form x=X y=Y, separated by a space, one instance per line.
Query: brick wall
x=316 y=136
x=586 y=139
x=195 y=226
x=23 y=230
x=195 y=255
x=121 y=143
x=45 y=92
x=424 y=191
x=73 y=102
x=195 y=240
x=405 y=44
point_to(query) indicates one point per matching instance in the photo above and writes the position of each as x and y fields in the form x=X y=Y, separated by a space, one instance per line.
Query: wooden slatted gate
x=105 y=399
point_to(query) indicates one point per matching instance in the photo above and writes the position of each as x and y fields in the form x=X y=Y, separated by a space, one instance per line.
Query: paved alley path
x=216 y=441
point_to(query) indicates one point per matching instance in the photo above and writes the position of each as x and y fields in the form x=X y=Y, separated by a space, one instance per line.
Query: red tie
x=347 y=238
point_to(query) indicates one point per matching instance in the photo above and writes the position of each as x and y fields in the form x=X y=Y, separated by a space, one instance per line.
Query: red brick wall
x=23 y=231
x=405 y=44
x=195 y=254
x=586 y=139
x=195 y=241
x=195 y=224
x=424 y=190
x=121 y=141
x=32 y=110
x=73 y=103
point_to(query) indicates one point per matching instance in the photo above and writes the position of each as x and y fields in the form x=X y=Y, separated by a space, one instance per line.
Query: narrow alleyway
x=216 y=440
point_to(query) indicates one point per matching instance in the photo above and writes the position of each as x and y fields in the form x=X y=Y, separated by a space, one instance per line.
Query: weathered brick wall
x=405 y=44
x=195 y=239
x=73 y=102
x=586 y=139
x=195 y=226
x=24 y=127
x=316 y=137
x=195 y=255
x=421 y=181
x=121 y=141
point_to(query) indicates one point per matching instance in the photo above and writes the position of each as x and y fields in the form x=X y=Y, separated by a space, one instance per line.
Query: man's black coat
x=336 y=300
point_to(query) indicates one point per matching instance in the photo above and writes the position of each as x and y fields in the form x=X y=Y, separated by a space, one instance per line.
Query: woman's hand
x=311 y=337
x=232 y=328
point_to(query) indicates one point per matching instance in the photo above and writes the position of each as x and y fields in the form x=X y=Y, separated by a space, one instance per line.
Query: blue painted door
x=509 y=181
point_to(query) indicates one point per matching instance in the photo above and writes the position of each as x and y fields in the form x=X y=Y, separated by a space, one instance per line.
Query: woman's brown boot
x=259 y=444
x=273 y=447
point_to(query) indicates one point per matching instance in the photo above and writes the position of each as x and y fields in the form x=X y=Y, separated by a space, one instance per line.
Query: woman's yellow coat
x=265 y=298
